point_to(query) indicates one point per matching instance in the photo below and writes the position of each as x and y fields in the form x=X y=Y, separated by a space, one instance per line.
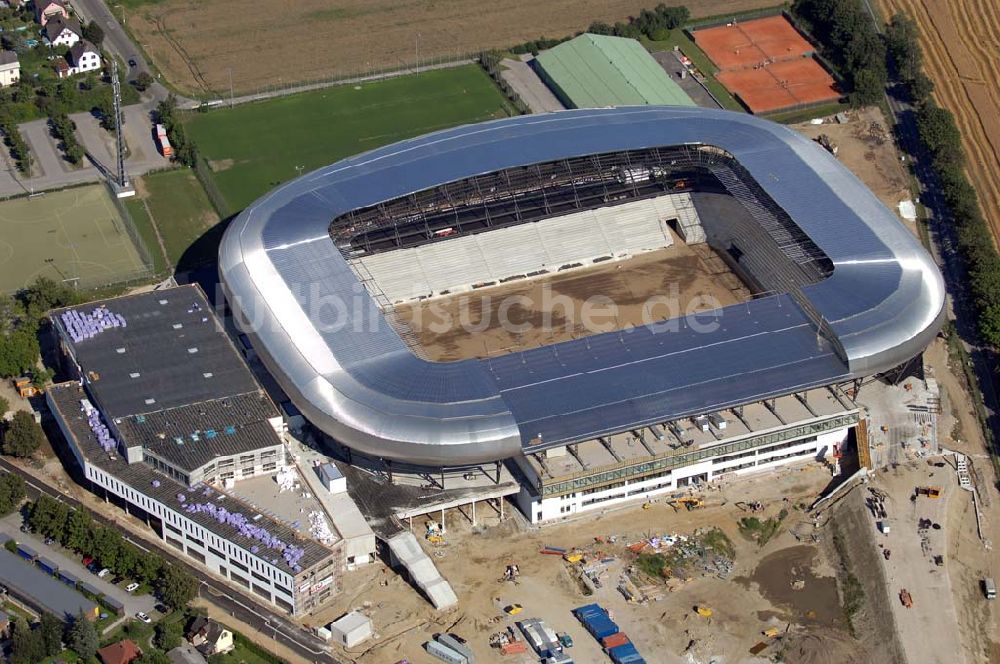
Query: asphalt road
x=225 y=597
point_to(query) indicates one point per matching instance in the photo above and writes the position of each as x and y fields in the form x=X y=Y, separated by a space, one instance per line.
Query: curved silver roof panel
x=349 y=372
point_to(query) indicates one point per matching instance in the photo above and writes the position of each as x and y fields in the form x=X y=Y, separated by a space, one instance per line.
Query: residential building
x=186 y=654
x=122 y=652
x=83 y=57
x=209 y=637
x=10 y=68
x=61 y=31
x=46 y=10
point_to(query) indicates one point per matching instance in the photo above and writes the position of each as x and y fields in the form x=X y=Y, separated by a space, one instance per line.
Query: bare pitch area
x=196 y=44
x=660 y=285
x=959 y=39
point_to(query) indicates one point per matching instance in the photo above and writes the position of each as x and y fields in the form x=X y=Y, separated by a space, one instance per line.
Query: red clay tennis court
x=767 y=64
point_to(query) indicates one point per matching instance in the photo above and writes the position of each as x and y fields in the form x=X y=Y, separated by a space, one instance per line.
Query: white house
x=10 y=68
x=62 y=32
x=83 y=57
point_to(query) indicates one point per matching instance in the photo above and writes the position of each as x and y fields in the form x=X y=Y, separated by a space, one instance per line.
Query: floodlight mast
x=122 y=177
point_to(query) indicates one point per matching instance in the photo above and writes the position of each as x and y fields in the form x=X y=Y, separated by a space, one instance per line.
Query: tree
x=143 y=81
x=176 y=587
x=152 y=657
x=51 y=631
x=11 y=493
x=18 y=351
x=148 y=567
x=4 y=406
x=23 y=436
x=869 y=85
x=78 y=530
x=168 y=636
x=82 y=637
x=26 y=645
x=93 y=33
x=106 y=111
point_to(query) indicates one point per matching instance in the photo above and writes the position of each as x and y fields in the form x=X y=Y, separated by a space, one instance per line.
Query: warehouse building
x=594 y=71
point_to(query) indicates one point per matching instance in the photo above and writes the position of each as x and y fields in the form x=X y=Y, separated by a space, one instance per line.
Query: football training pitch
x=75 y=235
x=253 y=148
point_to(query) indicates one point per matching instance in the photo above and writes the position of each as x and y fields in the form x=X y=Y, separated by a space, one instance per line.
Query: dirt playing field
x=655 y=286
x=961 y=44
x=196 y=44
x=763 y=63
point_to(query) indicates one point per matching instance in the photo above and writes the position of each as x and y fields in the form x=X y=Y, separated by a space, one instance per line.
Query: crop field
x=74 y=235
x=254 y=147
x=196 y=44
x=960 y=41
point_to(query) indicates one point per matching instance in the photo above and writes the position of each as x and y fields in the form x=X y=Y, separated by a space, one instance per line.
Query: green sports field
x=253 y=148
x=75 y=235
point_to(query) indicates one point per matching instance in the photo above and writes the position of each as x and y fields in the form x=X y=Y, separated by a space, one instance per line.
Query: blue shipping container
x=587 y=609
x=625 y=654
x=601 y=627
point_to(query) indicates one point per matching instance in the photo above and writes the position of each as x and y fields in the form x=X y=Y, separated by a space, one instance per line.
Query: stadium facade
x=841 y=291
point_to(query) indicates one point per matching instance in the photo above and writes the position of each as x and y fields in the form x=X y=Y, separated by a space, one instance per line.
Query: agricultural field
x=959 y=39
x=197 y=44
x=75 y=236
x=178 y=212
x=254 y=147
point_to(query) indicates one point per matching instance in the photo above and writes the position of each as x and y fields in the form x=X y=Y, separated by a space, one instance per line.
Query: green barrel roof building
x=592 y=71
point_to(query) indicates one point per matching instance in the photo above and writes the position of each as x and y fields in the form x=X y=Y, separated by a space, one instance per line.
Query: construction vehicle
x=689 y=502
x=703 y=611
x=771 y=632
x=929 y=491
x=513 y=609
x=435 y=539
x=573 y=556
x=906 y=598
x=25 y=387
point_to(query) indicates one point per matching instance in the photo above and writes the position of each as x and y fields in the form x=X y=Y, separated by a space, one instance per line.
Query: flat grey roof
x=65 y=399
x=361 y=384
x=42 y=590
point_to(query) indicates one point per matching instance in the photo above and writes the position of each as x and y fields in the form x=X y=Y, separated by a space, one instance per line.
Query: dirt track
x=196 y=43
x=961 y=43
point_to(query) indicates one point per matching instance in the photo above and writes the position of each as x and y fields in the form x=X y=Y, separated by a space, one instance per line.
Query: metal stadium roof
x=350 y=373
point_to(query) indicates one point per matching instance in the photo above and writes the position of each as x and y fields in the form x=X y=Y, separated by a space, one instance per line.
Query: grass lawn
x=804 y=114
x=255 y=147
x=241 y=655
x=144 y=225
x=701 y=61
x=180 y=211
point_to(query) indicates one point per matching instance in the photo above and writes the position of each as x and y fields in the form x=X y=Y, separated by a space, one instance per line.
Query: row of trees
x=75 y=529
x=941 y=138
x=64 y=130
x=850 y=42
x=11 y=493
x=18 y=148
x=653 y=23
x=184 y=149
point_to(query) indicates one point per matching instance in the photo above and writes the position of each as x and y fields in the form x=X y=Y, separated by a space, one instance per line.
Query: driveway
x=68 y=561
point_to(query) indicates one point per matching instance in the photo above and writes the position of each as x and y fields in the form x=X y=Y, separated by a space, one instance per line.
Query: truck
x=163 y=142
x=989 y=588
x=540 y=637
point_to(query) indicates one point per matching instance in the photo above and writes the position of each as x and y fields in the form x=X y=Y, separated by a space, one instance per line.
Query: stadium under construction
x=317 y=272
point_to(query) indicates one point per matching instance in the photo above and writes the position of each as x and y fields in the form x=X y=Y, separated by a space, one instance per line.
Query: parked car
x=143 y=617
x=103 y=573
x=49 y=541
x=132 y=587
x=87 y=561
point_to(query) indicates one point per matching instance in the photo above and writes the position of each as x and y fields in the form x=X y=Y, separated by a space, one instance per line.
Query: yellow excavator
x=688 y=502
